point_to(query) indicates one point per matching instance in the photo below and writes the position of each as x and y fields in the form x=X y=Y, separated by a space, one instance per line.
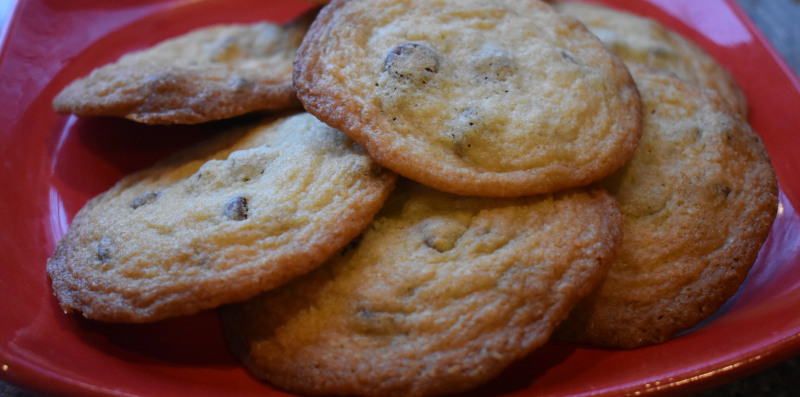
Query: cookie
x=698 y=200
x=208 y=74
x=506 y=98
x=218 y=223
x=642 y=41
x=438 y=295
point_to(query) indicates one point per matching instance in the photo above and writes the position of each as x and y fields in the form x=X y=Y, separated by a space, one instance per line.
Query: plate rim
x=760 y=358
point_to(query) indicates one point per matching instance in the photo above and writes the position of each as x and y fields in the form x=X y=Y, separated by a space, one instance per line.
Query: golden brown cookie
x=208 y=74
x=218 y=223
x=503 y=98
x=698 y=200
x=439 y=294
x=645 y=42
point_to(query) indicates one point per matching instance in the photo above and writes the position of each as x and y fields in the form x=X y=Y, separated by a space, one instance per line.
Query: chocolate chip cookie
x=438 y=295
x=218 y=223
x=645 y=42
x=208 y=74
x=698 y=200
x=502 y=98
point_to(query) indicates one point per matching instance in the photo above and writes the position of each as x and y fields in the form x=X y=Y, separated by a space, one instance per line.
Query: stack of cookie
x=467 y=180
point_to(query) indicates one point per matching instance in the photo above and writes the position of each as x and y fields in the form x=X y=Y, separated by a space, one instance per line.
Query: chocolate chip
x=493 y=63
x=568 y=57
x=466 y=127
x=442 y=234
x=104 y=247
x=239 y=83
x=376 y=322
x=722 y=189
x=144 y=199
x=236 y=208
x=413 y=61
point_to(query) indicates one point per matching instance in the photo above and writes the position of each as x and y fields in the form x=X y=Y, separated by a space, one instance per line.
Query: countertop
x=779 y=20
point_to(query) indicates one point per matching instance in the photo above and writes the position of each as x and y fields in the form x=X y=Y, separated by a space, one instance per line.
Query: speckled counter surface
x=779 y=20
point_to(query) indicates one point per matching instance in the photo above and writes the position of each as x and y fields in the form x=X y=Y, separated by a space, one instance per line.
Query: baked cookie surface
x=208 y=74
x=698 y=200
x=438 y=295
x=642 y=41
x=218 y=223
x=506 y=98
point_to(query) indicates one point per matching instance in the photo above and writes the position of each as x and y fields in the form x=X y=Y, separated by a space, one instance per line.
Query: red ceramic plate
x=50 y=165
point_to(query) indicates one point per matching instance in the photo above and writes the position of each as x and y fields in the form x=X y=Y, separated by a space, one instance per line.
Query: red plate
x=50 y=165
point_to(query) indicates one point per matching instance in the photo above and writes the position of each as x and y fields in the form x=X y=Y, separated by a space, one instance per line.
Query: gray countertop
x=779 y=20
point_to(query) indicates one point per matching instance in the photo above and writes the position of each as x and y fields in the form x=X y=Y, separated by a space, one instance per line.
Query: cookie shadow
x=521 y=374
x=191 y=341
x=91 y=153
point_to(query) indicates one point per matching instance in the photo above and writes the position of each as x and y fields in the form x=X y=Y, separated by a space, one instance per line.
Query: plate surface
x=50 y=165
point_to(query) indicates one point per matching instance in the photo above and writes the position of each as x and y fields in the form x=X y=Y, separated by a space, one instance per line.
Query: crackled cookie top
x=438 y=295
x=218 y=223
x=698 y=200
x=499 y=98
x=645 y=42
x=207 y=74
